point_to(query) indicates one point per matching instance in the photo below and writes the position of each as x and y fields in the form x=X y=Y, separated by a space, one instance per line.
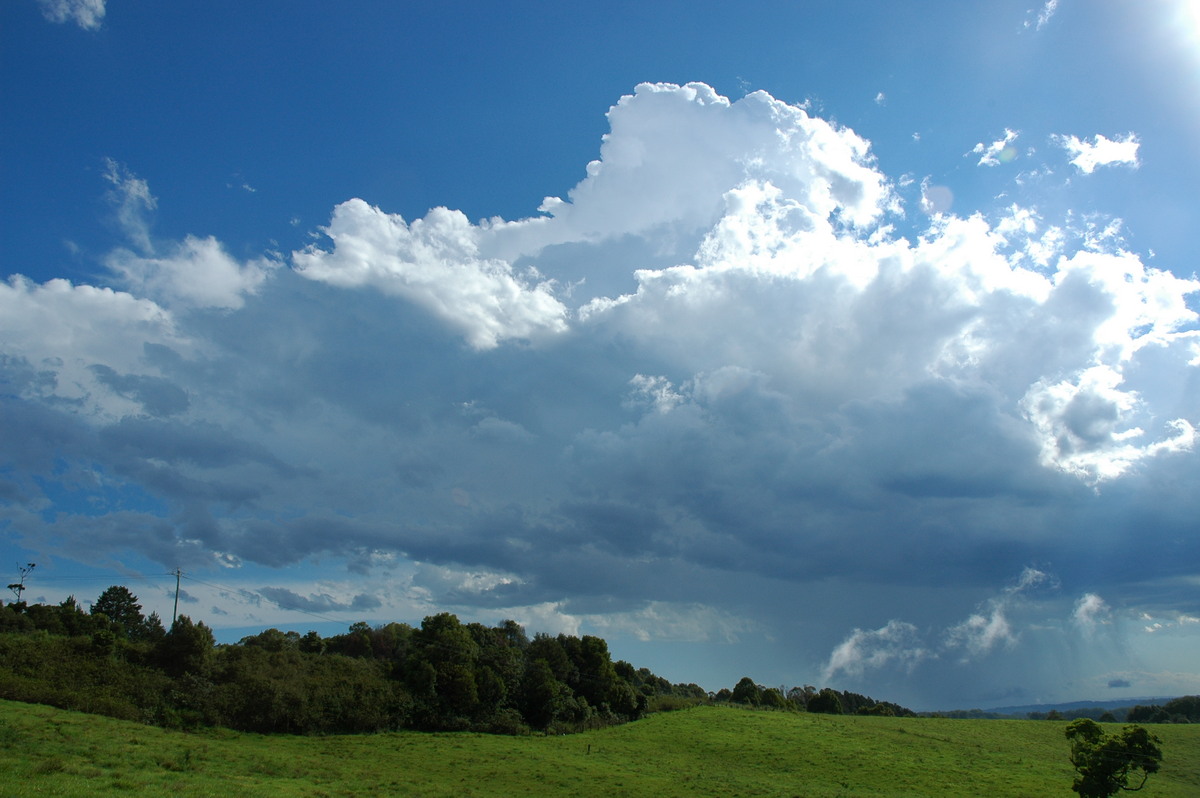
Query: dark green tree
x=598 y=681
x=772 y=697
x=187 y=648
x=1187 y=708
x=441 y=672
x=550 y=649
x=312 y=643
x=1103 y=763
x=546 y=700
x=152 y=629
x=745 y=692
x=122 y=610
x=826 y=701
x=74 y=620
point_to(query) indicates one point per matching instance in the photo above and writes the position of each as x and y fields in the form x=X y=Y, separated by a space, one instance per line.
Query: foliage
x=444 y=675
x=827 y=702
x=122 y=610
x=1103 y=763
x=745 y=692
x=187 y=648
x=1180 y=710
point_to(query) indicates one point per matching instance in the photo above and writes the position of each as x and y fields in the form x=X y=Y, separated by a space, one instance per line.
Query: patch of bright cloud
x=1043 y=15
x=1101 y=151
x=1087 y=429
x=901 y=644
x=1091 y=611
x=132 y=202
x=87 y=14
x=999 y=151
x=1175 y=620
x=196 y=272
x=435 y=262
x=989 y=628
x=896 y=643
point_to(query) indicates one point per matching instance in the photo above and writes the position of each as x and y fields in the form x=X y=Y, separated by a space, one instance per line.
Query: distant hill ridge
x=1025 y=709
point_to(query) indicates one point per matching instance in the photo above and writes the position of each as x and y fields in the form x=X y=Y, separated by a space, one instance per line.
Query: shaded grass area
x=703 y=751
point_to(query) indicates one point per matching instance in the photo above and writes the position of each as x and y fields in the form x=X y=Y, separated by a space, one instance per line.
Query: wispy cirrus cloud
x=1040 y=18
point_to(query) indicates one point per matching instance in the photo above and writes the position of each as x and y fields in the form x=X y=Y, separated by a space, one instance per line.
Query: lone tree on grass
x=1103 y=763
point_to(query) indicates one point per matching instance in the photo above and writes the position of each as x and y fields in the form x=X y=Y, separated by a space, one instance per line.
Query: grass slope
x=704 y=751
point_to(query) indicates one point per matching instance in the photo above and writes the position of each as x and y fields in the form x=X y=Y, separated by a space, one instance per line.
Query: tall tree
x=122 y=609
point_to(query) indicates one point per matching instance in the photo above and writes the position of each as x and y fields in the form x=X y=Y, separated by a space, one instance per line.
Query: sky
x=851 y=344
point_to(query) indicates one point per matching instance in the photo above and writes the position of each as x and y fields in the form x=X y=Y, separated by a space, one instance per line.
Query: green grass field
x=703 y=751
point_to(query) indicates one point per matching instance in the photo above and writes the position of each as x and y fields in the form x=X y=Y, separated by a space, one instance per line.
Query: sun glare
x=1187 y=23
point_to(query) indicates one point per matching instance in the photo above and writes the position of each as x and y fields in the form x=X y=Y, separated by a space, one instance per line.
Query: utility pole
x=175 y=611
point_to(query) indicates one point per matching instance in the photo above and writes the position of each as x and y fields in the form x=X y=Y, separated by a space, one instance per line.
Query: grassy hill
x=703 y=751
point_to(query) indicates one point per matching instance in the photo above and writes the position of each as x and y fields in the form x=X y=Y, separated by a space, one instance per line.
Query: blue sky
x=833 y=343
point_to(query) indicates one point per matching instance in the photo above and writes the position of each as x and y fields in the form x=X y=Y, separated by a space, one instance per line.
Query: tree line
x=1185 y=709
x=808 y=699
x=442 y=675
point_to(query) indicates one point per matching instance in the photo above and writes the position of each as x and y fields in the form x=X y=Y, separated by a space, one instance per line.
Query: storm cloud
x=709 y=395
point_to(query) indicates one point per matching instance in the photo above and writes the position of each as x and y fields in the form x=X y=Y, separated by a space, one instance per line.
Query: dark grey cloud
x=158 y=396
x=317 y=603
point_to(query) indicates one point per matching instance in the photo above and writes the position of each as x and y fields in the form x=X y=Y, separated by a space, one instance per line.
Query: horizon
x=859 y=343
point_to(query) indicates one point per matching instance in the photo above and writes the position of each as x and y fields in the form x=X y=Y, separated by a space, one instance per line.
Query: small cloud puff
x=999 y=151
x=1091 y=611
x=87 y=14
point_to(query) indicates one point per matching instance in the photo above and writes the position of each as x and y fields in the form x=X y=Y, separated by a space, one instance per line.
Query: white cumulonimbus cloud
x=713 y=362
